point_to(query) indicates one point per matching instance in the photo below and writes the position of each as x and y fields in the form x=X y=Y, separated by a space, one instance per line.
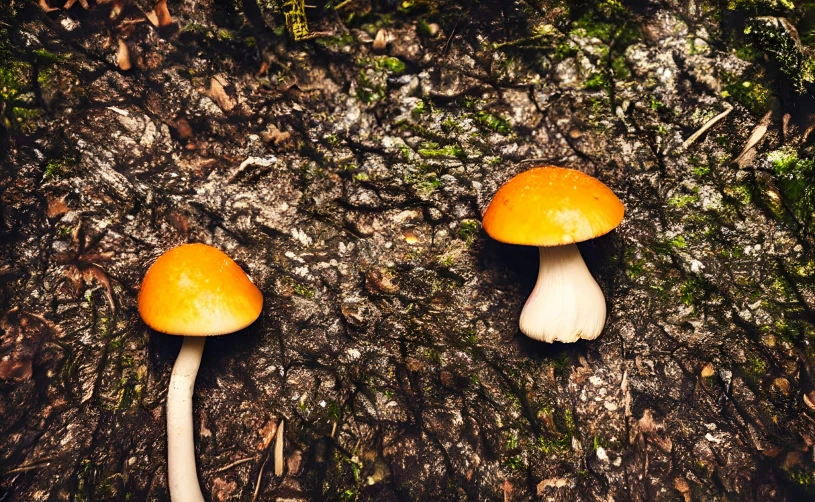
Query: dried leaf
x=682 y=487
x=217 y=93
x=123 y=56
x=381 y=40
x=70 y=3
x=268 y=433
x=44 y=6
x=152 y=17
x=95 y=273
x=758 y=133
x=163 y=14
x=21 y=336
x=56 y=207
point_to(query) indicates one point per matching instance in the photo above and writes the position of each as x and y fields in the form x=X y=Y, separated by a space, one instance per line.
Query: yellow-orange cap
x=197 y=290
x=552 y=206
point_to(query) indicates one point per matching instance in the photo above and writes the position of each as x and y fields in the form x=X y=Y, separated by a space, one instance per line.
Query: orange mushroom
x=553 y=208
x=197 y=291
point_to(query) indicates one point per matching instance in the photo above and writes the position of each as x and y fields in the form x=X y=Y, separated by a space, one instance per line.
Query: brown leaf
x=218 y=94
x=268 y=433
x=123 y=56
x=381 y=40
x=70 y=3
x=56 y=207
x=95 y=273
x=183 y=128
x=379 y=281
x=152 y=17
x=21 y=335
x=44 y=6
x=682 y=487
x=163 y=14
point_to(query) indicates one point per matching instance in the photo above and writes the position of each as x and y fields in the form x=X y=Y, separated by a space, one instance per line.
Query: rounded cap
x=197 y=290
x=552 y=206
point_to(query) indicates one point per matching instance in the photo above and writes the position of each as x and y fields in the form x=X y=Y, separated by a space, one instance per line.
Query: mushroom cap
x=552 y=206
x=197 y=290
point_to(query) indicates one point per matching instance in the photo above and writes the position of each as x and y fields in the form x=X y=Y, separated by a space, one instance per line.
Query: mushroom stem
x=180 y=444
x=567 y=303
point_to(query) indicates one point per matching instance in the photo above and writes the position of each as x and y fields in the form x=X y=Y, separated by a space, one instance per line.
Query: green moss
x=802 y=478
x=45 y=57
x=514 y=462
x=692 y=291
x=796 y=179
x=596 y=80
x=391 y=64
x=468 y=230
x=760 y=6
x=756 y=367
x=449 y=151
x=778 y=39
x=225 y=35
x=420 y=108
x=786 y=161
x=196 y=28
x=302 y=290
x=678 y=242
x=12 y=78
x=636 y=268
x=680 y=201
x=492 y=122
x=752 y=95
x=55 y=168
x=370 y=89
x=423 y=183
x=741 y=192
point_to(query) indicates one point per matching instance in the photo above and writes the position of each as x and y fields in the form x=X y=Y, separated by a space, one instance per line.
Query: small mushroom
x=553 y=208
x=197 y=291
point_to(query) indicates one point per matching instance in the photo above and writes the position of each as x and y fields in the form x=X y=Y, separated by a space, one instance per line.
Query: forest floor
x=347 y=174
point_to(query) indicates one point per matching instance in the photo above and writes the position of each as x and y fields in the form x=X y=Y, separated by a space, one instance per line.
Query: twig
x=260 y=478
x=234 y=464
x=707 y=125
x=31 y=465
x=317 y=34
x=342 y=4
x=450 y=38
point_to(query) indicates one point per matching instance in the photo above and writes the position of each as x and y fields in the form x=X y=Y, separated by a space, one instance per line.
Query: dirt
x=349 y=183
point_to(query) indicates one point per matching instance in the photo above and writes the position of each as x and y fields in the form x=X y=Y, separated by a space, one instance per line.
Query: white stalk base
x=567 y=303
x=182 y=475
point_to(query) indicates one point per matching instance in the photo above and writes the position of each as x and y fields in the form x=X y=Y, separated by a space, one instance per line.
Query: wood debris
x=278 y=450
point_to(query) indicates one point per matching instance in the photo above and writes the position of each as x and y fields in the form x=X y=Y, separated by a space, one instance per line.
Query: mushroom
x=553 y=208
x=197 y=291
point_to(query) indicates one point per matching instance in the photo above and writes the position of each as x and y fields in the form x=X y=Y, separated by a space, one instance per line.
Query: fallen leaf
x=123 y=56
x=163 y=14
x=381 y=40
x=217 y=93
x=56 y=207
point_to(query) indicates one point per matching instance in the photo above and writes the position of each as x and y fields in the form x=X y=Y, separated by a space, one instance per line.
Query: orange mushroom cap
x=552 y=206
x=197 y=290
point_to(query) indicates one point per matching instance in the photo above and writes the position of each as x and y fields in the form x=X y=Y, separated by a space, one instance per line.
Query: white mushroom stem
x=567 y=303
x=181 y=471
